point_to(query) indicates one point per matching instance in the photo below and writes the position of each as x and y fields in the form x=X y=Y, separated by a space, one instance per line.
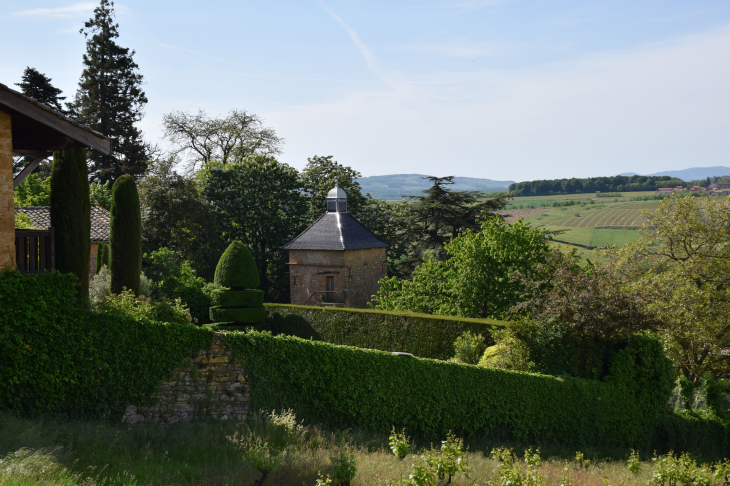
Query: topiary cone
x=125 y=236
x=237 y=271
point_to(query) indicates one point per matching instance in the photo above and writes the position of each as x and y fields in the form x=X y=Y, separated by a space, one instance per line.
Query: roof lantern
x=336 y=200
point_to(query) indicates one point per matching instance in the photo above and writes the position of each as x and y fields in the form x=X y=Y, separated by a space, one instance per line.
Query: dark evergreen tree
x=38 y=86
x=102 y=256
x=110 y=98
x=125 y=237
x=71 y=217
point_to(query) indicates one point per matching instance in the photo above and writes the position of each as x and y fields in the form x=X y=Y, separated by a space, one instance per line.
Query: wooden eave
x=39 y=130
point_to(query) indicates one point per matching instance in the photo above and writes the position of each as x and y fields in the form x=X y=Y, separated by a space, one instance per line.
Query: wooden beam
x=27 y=170
x=50 y=119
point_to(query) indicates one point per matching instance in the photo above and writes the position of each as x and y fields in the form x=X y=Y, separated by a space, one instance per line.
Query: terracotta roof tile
x=41 y=218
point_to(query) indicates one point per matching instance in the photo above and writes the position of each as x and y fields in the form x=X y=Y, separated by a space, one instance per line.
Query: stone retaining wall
x=212 y=384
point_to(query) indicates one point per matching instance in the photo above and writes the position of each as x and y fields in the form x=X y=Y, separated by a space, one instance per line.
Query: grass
x=43 y=451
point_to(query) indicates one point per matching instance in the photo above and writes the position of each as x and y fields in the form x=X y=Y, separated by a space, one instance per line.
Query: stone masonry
x=356 y=274
x=211 y=384
x=7 y=206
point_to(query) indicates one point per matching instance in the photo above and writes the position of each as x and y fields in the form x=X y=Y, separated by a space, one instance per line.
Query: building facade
x=336 y=261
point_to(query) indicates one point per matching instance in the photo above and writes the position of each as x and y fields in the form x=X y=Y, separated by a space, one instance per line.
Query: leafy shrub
x=345 y=386
x=173 y=279
x=236 y=271
x=236 y=268
x=99 y=286
x=399 y=443
x=101 y=194
x=439 y=466
x=469 y=348
x=419 y=334
x=33 y=191
x=23 y=221
x=343 y=468
x=140 y=307
x=56 y=359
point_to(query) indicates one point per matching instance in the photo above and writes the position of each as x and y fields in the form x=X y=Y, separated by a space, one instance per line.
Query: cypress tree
x=110 y=98
x=125 y=237
x=71 y=217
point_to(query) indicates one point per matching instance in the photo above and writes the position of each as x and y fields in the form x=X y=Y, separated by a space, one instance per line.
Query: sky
x=497 y=89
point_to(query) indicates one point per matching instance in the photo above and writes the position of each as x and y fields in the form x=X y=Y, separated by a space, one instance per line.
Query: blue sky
x=500 y=89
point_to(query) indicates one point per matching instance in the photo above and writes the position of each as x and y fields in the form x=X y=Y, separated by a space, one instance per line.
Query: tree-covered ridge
x=593 y=184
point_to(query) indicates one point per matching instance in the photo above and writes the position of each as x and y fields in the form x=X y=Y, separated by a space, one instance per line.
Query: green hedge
x=237 y=298
x=422 y=335
x=349 y=387
x=59 y=360
x=240 y=315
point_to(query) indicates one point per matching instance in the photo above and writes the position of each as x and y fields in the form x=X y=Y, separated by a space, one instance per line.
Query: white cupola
x=336 y=200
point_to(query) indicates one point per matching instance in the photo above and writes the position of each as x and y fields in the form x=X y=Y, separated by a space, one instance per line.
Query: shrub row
x=349 y=387
x=422 y=335
x=56 y=359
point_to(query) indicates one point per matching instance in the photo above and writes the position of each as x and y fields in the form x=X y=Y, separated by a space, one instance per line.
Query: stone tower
x=336 y=261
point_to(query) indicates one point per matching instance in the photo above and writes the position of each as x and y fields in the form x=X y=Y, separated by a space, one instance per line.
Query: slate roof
x=41 y=218
x=336 y=231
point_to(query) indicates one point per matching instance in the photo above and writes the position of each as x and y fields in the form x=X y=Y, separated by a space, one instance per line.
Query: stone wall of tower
x=364 y=269
x=7 y=206
x=356 y=274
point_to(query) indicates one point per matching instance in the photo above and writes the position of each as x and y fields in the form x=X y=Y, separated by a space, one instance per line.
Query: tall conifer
x=71 y=217
x=110 y=98
x=38 y=86
x=125 y=236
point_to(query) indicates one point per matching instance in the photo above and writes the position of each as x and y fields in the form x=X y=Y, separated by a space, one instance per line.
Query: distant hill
x=394 y=186
x=693 y=174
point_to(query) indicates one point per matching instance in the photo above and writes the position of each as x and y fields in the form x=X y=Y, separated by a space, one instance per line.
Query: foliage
x=320 y=175
x=172 y=280
x=71 y=217
x=102 y=256
x=340 y=385
x=439 y=466
x=23 y=221
x=57 y=359
x=399 y=443
x=510 y=471
x=33 y=191
x=101 y=194
x=261 y=205
x=110 y=99
x=593 y=184
x=175 y=216
x=343 y=468
x=475 y=280
x=141 y=307
x=423 y=335
x=679 y=269
x=236 y=269
x=125 y=236
x=634 y=462
x=508 y=352
x=468 y=348
x=38 y=86
x=224 y=139
x=578 y=314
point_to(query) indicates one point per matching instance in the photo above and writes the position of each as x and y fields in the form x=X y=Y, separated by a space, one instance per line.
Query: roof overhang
x=38 y=130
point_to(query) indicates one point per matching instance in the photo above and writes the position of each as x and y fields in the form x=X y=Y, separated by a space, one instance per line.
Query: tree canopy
x=110 y=98
x=38 y=86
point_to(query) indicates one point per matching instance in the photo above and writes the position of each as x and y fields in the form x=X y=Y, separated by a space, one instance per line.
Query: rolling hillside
x=390 y=187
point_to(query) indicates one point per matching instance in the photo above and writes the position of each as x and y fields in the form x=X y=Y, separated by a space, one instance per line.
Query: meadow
x=44 y=451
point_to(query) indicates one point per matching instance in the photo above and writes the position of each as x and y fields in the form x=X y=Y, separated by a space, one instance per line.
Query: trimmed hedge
x=236 y=268
x=348 y=387
x=422 y=335
x=238 y=315
x=59 y=360
x=237 y=298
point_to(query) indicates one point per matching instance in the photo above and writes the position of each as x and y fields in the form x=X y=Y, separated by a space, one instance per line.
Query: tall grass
x=45 y=452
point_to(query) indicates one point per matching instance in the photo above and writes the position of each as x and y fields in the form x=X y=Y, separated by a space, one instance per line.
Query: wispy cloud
x=462 y=48
x=55 y=12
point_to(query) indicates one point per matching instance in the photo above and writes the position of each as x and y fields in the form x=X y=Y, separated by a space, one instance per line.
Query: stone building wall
x=356 y=274
x=92 y=259
x=308 y=270
x=7 y=206
x=364 y=269
x=212 y=384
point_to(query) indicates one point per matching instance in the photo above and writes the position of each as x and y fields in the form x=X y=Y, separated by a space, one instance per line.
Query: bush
x=140 y=307
x=237 y=298
x=71 y=217
x=173 y=279
x=469 y=348
x=99 y=287
x=125 y=236
x=238 y=314
x=102 y=256
x=350 y=387
x=59 y=360
x=23 y=221
x=423 y=335
x=236 y=268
